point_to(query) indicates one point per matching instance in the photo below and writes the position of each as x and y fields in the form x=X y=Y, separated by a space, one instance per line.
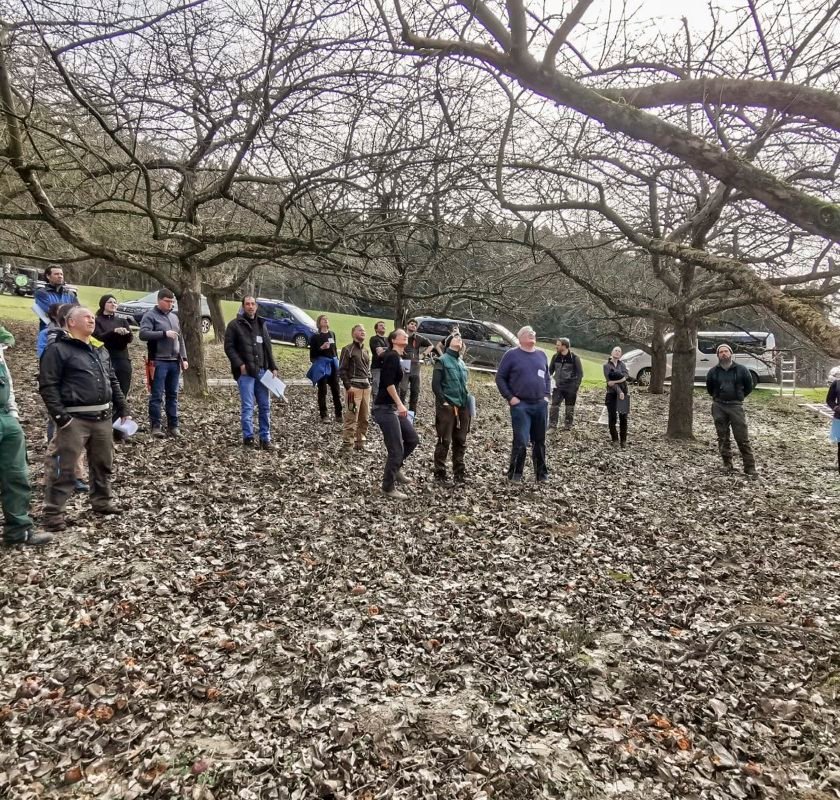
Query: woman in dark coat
x=617 y=400
x=115 y=335
x=833 y=401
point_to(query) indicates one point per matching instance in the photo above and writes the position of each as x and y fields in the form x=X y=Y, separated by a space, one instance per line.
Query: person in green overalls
x=15 y=491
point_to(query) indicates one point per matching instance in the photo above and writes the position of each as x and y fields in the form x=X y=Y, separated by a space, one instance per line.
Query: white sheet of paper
x=129 y=427
x=41 y=315
x=274 y=385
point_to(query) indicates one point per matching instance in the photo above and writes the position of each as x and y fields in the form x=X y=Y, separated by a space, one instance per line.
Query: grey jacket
x=153 y=328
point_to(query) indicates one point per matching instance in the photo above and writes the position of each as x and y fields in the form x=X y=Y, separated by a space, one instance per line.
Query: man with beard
x=729 y=383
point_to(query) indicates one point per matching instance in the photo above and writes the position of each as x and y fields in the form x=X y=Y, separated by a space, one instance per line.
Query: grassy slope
x=20 y=308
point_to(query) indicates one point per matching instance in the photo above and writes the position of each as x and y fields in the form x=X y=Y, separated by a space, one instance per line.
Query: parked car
x=25 y=281
x=486 y=342
x=286 y=322
x=753 y=349
x=133 y=310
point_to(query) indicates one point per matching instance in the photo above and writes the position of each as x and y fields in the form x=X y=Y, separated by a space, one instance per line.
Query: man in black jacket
x=79 y=388
x=378 y=348
x=248 y=348
x=567 y=371
x=729 y=383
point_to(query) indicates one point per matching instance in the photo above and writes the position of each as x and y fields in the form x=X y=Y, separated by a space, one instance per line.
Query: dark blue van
x=285 y=322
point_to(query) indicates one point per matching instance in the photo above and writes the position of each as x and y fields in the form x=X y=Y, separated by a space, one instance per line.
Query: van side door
x=706 y=357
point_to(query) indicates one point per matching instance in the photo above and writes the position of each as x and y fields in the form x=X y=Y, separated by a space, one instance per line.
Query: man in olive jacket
x=452 y=411
x=729 y=383
x=248 y=348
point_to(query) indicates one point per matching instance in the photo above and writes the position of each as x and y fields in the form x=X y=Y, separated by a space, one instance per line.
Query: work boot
x=400 y=477
x=32 y=538
x=157 y=432
x=108 y=510
x=727 y=467
x=750 y=473
x=80 y=487
x=395 y=494
x=266 y=445
x=174 y=433
x=248 y=441
x=54 y=524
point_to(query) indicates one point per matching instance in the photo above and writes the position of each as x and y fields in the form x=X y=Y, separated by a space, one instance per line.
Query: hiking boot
x=750 y=473
x=400 y=477
x=54 y=524
x=174 y=433
x=727 y=467
x=459 y=478
x=157 y=432
x=248 y=442
x=395 y=494
x=266 y=445
x=325 y=420
x=440 y=477
x=108 y=510
x=32 y=538
x=80 y=487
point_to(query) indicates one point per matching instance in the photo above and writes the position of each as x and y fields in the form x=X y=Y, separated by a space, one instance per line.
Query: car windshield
x=302 y=315
x=150 y=299
x=502 y=331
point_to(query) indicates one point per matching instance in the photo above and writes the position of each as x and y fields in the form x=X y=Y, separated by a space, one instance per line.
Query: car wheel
x=300 y=341
x=643 y=378
x=754 y=377
x=205 y=325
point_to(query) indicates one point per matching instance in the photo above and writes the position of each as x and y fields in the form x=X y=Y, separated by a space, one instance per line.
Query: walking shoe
x=325 y=420
x=108 y=510
x=400 y=477
x=248 y=442
x=727 y=466
x=80 y=487
x=174 y=433
x=157 y=432
x=440 y=477
x=54 y=524
x=266 y=445
x=623 y=445
x=460 y=478
x=32 y=537
x=395 y=494
x=751 y=473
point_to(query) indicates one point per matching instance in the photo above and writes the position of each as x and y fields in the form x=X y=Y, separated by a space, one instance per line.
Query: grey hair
x=74 y=312
x=525 y=329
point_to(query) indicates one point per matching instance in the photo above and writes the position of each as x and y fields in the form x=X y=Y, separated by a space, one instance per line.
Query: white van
x=753 y=349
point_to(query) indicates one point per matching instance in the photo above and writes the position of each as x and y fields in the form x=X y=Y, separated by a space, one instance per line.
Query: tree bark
x=658 y=359
x=189 y=313
x=683 y=366
x=217 y=317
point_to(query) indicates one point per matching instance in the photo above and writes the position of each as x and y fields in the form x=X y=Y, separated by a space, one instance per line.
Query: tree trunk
x=189 y=313
x=217 y=317
x=658 y=359
x=683 y=366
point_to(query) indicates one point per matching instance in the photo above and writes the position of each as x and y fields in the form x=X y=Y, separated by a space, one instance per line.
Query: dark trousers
x=613 y=416
x=330 y=380
x=165 y=382
x=400 y=440
x=122 y=369
x=96 y=439
x=451 y=430
x=732 y=416
x=567 y=395
x=15 y=491
x=529 y=421
x=411 y=384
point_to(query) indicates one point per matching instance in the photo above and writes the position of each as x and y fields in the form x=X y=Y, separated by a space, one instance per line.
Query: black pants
x=411 y=383
x=732 y=416
x=612 y=415
x=330 y=380
x=122 y=369
x=561 y=394
x=400 y=440
x=451 y=429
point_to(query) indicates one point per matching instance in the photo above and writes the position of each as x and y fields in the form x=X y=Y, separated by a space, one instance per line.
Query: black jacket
x=117 y=343
x=376 y=342
x=833 y=398
x=74 y=374
x=317 y=340
x=729 y=385
x=242 y=347
x=558 y=362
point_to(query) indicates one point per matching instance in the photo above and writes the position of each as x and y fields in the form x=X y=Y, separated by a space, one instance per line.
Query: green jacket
x=449 y=380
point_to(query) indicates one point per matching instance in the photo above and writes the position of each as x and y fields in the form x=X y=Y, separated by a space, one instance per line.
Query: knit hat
x=104 y=299
x=723 y=344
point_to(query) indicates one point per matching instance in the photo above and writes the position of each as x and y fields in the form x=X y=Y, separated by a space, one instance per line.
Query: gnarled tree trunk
x=189 y=313
x=683 y=366
x=217 y=317
x=658 y=359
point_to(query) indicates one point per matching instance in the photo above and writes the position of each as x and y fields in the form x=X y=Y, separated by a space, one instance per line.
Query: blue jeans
x=250 y=388
x=165 y=381
x=528 y=420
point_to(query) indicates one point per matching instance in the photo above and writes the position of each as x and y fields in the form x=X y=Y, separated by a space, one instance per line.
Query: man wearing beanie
x=729 y=383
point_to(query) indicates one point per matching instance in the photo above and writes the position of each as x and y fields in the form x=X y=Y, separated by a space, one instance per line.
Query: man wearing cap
x=523 y=380
x=729 y=383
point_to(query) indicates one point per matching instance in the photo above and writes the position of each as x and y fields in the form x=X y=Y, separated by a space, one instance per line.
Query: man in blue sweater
x=524 y=381
x=55 y=292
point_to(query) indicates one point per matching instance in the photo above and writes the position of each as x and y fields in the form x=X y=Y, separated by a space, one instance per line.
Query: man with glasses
x=523 y=380
x=167 y=353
